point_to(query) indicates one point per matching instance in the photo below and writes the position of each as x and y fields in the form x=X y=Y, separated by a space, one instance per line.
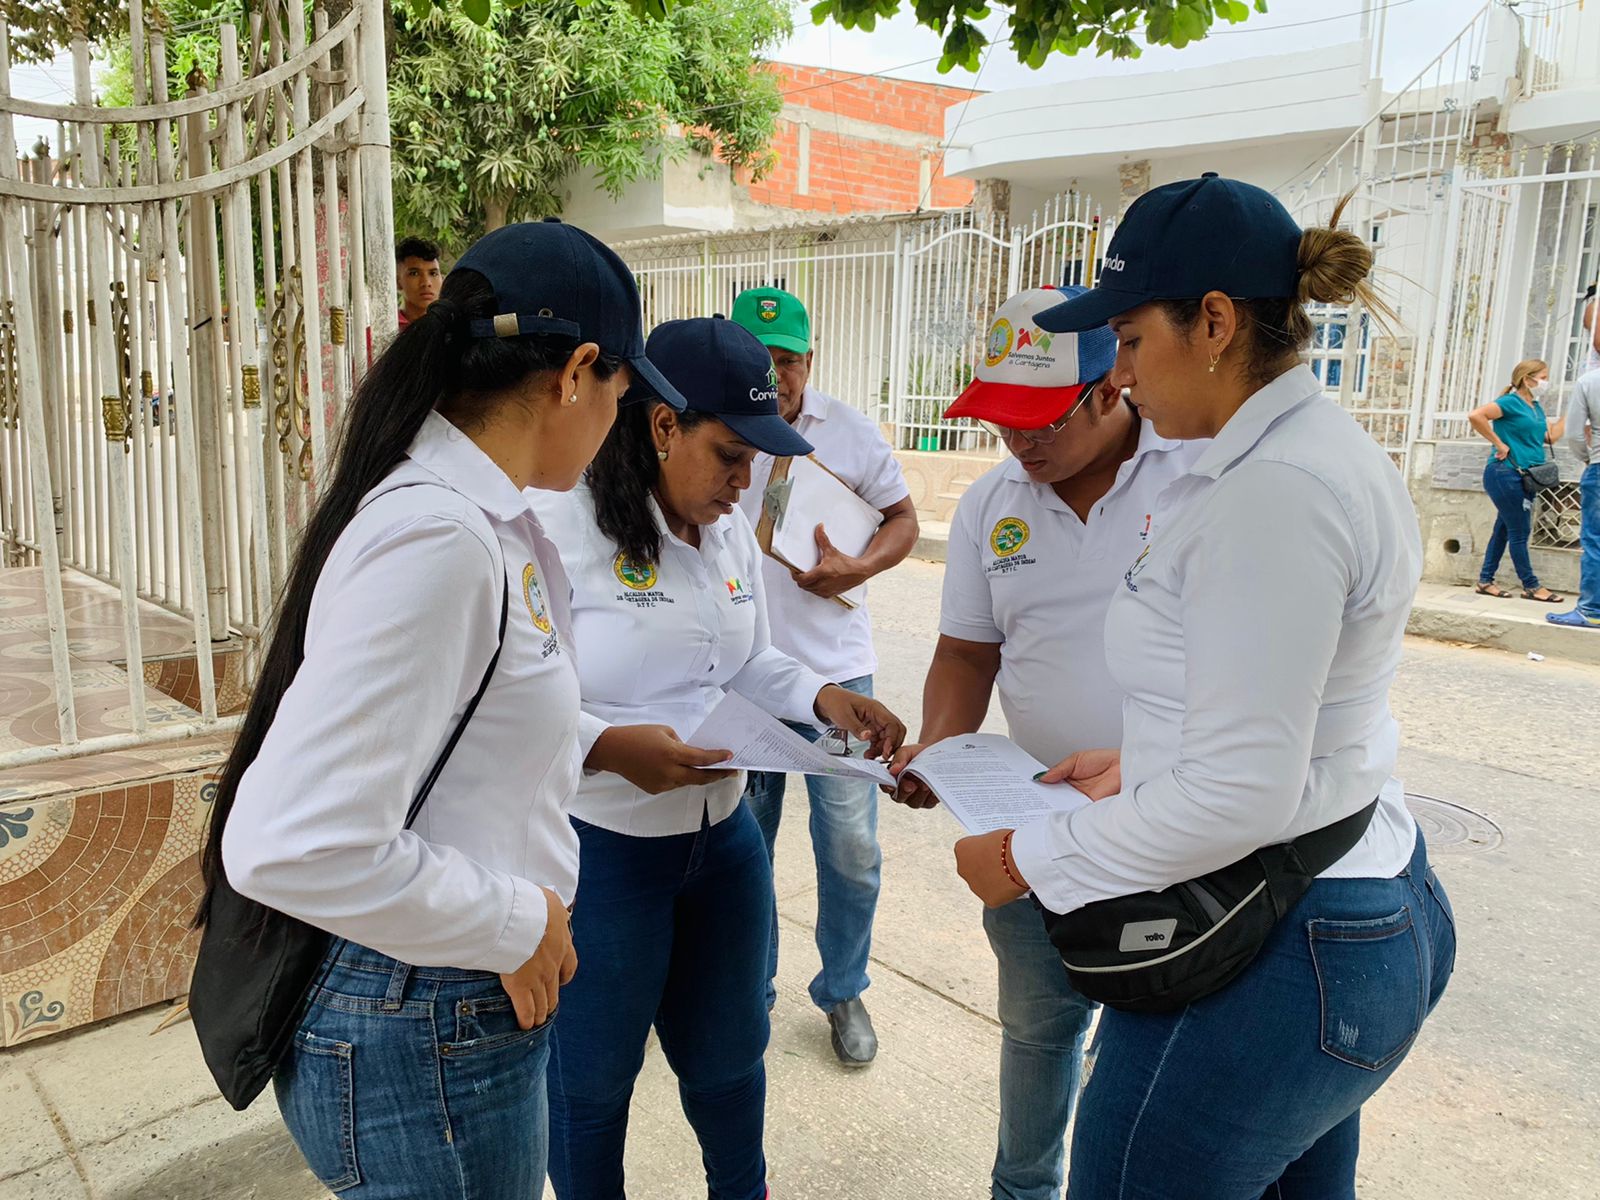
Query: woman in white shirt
x=674 y=915
x=425 y=602
x=1255 y=639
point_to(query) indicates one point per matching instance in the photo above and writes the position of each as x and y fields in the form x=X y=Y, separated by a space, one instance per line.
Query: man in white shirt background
x=835 y=641
x=1038 y=547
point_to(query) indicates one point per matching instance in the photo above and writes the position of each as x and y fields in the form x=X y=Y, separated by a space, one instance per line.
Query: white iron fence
x=171 y=266
x=900 y=305
x=1483 y=247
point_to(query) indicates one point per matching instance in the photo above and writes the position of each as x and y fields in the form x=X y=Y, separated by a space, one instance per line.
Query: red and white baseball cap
x=1028 y=377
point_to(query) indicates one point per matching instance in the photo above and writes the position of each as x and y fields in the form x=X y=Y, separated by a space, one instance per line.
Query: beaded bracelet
x=1005 y=860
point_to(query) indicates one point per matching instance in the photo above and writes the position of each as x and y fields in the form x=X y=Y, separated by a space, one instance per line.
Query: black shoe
x=853 y=1039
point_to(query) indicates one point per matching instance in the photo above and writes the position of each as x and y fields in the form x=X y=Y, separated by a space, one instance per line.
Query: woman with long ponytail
x=425 y=613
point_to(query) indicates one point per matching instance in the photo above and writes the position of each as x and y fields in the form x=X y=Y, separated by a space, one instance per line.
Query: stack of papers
x=985 y=780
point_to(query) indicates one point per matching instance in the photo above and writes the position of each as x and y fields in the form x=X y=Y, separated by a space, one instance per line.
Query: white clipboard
x=802 y=494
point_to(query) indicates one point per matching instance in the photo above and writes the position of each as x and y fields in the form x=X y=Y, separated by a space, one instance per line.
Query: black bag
x=1541 y=478
x=252 y=981
x=1158 y=951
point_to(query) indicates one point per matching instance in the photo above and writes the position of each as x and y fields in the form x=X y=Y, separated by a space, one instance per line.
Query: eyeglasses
x=1047 y=434
x=836 y=742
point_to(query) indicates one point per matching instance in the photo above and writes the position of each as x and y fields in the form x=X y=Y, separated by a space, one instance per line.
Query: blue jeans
x=670 y=931
x=1589 y=539
x=844 y=837
x=416 y=1081
x=1512 y=526
x=1043 y=1023
x=1256 y=1090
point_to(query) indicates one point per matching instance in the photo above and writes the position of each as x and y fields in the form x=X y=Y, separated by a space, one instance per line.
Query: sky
x=1416 y=31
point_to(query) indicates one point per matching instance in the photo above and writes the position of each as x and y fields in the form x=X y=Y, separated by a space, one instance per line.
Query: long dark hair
x=432 y=364
x=623 y=476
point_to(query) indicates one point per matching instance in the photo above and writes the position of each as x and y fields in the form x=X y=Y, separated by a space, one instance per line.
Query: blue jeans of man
x=1043 y=1022
x=1512 y=524
x=1255 y=1092
x=844 y=838
x=416 y=1081
x=670 y=931
x=1589 y=539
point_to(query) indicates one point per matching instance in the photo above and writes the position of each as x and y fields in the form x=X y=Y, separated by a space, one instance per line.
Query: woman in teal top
x=1516 y=427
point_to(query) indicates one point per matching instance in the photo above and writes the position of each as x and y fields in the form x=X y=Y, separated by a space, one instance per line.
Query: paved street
x=1500 y=1098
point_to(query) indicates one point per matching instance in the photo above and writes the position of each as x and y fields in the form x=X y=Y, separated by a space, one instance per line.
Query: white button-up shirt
x=834 y=641
x=1023 y=570
x=1255 y=638
x=403 y=624
x=659 y=644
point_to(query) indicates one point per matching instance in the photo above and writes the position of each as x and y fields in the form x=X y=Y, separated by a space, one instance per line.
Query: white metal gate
x=900 y=305
x=168 y=268
x=1524 y=250
x=950 y=282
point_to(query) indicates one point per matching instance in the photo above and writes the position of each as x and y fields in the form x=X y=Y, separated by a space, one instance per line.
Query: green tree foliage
x=1039 y=28
x=40 y=29
x=488 y=119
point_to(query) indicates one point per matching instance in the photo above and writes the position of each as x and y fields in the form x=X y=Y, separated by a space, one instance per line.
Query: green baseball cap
x=775 y=316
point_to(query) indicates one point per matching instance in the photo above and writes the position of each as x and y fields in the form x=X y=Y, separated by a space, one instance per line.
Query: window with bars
x=1556 y=515
x=1326 y=356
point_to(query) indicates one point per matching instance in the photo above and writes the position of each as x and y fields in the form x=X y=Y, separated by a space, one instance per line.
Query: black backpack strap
x=432 y=776
x=1321 y=848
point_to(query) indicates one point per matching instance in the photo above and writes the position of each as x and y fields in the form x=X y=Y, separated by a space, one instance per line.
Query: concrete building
x=846 y=144
x=1478 y=184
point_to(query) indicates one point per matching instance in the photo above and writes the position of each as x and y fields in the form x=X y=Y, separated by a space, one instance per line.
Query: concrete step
x=932 y=538
x=1458 y=614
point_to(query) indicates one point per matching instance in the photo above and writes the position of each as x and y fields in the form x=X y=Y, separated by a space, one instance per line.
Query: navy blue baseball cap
x=1182 y=240
x=553 y=278
x=722 y=370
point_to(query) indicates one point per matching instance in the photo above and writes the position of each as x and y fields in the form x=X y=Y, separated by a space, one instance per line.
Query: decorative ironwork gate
x=188 y=289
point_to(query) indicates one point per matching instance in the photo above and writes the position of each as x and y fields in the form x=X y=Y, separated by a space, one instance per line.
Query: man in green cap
x=835 y=641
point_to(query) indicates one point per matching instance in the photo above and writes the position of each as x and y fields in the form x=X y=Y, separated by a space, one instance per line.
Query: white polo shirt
x=403 y=624
x=1256 y=638
x=658 y=644
x=1023 y=570
x=834 y=641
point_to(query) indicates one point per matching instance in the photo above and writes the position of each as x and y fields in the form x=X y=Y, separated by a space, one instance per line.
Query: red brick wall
x=851 y=172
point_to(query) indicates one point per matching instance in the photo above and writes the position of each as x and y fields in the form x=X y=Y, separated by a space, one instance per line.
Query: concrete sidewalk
x=1499 y=1098
x=1459 y=614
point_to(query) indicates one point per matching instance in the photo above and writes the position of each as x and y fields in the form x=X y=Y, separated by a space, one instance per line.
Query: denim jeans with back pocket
x=405 y=1082
x=1255 y=1091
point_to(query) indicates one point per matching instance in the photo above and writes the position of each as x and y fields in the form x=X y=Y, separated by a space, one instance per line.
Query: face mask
x=1539 y=385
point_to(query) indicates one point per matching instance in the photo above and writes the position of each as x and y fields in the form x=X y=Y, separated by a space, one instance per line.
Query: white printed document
x=984 y=779
x=761 y=742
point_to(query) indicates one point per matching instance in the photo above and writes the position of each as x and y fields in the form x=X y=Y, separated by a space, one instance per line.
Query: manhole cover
x=1451 y=827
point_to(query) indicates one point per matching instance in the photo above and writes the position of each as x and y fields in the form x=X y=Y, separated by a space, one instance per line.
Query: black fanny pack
x=1541 y=478
x=1158 y=951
